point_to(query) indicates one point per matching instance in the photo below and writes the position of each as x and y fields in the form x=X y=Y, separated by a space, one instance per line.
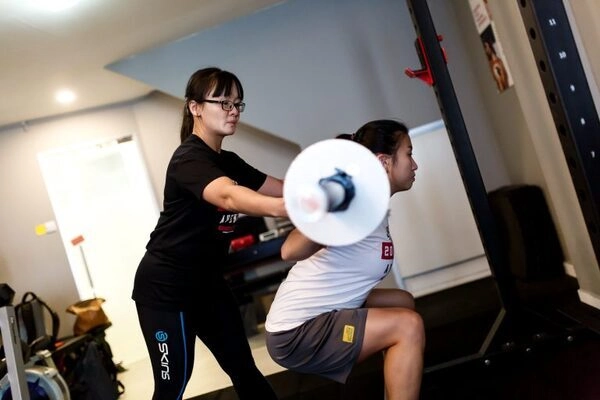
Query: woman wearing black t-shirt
x=179 y=289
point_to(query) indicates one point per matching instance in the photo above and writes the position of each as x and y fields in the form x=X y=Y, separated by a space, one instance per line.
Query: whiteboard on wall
x=432 y=224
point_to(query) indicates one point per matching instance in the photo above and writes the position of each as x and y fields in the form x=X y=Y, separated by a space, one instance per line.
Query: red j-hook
x=424 y=73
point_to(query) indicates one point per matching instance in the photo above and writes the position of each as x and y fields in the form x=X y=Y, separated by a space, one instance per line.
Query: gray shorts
x=327 y=345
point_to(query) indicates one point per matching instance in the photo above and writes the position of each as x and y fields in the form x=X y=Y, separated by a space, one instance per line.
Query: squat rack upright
x=548 y=27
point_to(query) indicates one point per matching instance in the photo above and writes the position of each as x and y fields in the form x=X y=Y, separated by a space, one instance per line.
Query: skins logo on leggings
x=163 y=347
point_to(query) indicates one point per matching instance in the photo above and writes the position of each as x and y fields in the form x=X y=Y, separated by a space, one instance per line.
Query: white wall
x=311 y=69
x=436 y=240
x=527 y=135
x=39 y=263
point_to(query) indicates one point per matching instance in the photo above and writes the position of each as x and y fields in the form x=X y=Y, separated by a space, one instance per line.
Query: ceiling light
x=65 y=96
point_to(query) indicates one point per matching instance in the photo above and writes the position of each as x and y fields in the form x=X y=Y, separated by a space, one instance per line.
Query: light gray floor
x=206 y=377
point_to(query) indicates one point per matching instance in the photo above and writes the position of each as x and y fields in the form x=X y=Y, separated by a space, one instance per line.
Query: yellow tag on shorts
x=348 y=335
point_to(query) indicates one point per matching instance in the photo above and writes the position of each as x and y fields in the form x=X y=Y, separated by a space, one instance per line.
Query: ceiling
x=44 y=51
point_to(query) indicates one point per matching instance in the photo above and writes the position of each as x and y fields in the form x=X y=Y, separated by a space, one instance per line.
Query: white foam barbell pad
x=306 y=201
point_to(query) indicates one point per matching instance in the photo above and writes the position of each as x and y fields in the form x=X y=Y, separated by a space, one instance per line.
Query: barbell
x=336 y=192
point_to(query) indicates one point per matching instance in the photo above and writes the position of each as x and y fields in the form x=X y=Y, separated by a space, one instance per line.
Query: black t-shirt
x=191 y=234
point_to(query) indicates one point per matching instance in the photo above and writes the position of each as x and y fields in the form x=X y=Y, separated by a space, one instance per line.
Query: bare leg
x=400 y=333
x=390 y=298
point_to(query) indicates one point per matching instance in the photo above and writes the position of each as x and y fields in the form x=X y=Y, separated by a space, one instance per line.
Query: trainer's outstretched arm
x=225 y=193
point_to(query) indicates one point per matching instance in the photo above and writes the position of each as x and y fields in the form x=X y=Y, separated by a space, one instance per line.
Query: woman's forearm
x=298 y=247
x=225 y=193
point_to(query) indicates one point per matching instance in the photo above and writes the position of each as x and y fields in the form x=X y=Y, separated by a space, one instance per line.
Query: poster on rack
x=492 y=47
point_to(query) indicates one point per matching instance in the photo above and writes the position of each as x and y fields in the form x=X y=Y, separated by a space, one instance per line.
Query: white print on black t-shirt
x=227 y=221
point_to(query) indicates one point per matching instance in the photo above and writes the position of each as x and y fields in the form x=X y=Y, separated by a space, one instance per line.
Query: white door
x=100 y=192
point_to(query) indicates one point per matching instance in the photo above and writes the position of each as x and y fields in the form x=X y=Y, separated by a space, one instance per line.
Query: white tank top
x=334 y=278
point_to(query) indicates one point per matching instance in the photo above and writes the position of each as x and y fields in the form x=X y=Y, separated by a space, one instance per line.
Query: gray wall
x=314 y=68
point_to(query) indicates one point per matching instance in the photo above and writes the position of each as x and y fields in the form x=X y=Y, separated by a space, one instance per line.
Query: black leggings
x=170 y=338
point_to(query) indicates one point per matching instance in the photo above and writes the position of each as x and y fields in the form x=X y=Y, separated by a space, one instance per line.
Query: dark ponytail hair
x=346 y=136
x=380 y=136
x=202 y=84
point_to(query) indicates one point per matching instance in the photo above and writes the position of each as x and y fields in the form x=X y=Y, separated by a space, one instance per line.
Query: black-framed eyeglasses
x=227 y=105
